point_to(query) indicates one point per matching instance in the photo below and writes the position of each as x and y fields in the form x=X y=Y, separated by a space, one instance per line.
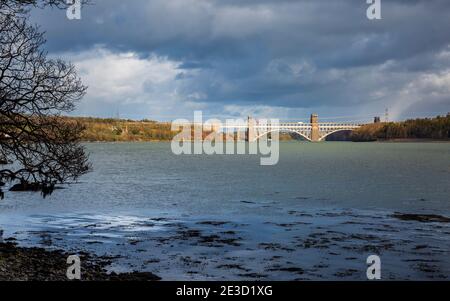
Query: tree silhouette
x=38 y=148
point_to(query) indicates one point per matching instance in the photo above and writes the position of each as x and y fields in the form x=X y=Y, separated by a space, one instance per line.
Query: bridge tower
x=315 y=130
x=251 y=131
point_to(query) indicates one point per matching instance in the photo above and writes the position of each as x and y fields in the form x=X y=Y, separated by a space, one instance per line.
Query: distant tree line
x=427 y=128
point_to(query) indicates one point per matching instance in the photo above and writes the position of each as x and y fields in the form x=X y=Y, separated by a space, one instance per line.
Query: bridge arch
x=322 y=138
x=284 y=130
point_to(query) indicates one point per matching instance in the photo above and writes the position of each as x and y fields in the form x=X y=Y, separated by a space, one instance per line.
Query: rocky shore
x=36 y=264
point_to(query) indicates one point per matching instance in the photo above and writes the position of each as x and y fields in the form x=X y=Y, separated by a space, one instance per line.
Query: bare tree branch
x=40 y=147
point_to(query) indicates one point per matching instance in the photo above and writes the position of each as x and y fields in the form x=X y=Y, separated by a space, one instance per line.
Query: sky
x=165 y=59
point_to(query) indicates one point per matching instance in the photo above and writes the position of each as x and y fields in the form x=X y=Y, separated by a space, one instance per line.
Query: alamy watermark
x=374 y=269
x=74 y=269
x=213 y=137
x=73 y=11
x=374 y=10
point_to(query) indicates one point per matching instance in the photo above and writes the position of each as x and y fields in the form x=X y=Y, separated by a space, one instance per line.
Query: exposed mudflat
x=319 y=244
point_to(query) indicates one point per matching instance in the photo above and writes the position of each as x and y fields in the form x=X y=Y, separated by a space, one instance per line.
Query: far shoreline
x=111 y=130
x=406 y=140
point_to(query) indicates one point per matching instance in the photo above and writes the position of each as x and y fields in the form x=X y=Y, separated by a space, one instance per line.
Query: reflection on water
x=318 y=214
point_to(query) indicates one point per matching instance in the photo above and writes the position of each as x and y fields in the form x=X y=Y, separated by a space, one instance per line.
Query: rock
x=213 y=223
x=134 y=276
x=33 y=187
x=26 y=187
x=423 y=218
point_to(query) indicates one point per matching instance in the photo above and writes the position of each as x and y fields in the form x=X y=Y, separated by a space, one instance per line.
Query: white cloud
x=124 y=76
x=134 y=86
x=426 y=89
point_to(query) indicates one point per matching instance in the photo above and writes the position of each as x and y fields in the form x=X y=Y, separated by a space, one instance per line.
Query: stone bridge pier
x=315 y=129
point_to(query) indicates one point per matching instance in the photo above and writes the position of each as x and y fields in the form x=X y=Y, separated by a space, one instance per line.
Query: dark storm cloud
x=296 y=54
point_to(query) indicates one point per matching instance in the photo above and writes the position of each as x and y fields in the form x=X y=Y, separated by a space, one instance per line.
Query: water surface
x=318 y=214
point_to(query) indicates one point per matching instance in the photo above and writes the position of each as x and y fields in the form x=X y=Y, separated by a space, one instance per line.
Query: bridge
x=313 y=131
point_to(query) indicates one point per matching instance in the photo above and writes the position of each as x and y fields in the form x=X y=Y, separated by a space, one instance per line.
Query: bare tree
x=21 y=6
x=38 y=147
